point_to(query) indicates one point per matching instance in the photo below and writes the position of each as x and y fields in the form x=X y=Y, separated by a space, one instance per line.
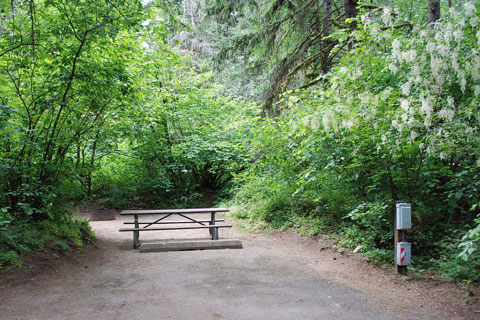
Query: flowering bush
x=397 y=119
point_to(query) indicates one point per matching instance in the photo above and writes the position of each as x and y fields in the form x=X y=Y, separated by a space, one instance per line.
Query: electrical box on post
x=404 y=216
x=404 y=253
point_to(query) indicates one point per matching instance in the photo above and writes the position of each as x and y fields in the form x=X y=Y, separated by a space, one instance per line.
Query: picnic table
x=188 y=216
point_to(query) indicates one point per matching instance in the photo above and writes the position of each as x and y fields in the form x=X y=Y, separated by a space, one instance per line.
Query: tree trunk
x=433 y=10
x=92 y=164
x=327 y=13
x=327 y=27
x=351 y=11
x=78 y=156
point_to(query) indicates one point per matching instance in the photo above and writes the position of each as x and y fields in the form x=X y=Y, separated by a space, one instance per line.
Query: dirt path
x=279 y=276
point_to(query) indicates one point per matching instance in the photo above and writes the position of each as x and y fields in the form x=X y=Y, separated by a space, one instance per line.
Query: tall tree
x=62 y=67
x=285 y=44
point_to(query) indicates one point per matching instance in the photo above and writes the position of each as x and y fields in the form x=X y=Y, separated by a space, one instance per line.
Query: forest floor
x=275 y=276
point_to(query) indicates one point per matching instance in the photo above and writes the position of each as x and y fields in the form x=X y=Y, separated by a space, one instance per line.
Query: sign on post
x=404 y=255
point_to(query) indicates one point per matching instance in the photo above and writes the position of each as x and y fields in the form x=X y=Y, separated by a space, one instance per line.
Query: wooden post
x=213 y=231
x=400 y=235
x=136 y=234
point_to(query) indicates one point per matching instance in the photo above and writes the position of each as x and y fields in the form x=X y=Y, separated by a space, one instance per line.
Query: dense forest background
x=315 y=115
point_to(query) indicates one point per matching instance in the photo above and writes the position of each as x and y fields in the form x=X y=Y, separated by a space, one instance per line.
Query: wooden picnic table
x=165 y=213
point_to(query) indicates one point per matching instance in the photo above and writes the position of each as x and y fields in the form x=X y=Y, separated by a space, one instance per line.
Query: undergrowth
x=19 y=238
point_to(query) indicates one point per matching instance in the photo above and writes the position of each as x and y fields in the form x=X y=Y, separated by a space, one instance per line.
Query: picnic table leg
x=213 y=231
x=136 y=234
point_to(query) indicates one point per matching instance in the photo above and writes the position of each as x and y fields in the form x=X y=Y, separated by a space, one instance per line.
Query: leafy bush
x=463 y=259
x=470 y=243
x=379 y=256
x=371 y=226
x=396 y=119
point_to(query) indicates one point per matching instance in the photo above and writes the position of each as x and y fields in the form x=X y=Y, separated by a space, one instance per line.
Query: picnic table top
x=173 y=211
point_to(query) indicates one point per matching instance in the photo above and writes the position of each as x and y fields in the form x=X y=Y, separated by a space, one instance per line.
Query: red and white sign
x=403 y=253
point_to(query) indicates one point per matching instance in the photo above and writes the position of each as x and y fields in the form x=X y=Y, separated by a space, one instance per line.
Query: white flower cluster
x=433 y=70
x=447 y=58
x=387 y=16
x=348 y=124
x=469 y=8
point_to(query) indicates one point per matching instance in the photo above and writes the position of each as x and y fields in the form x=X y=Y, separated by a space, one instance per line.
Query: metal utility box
x=404 y=216
x=404 y=253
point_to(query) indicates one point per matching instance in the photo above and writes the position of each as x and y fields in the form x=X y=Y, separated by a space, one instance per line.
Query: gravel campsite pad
x=274 y=276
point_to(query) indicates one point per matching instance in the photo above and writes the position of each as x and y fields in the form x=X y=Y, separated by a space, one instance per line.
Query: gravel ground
x=275 y=276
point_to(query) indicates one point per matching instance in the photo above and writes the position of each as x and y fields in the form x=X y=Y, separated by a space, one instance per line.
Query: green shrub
x=9 y=259
x=378 y=256
x=61 y=245
x=462 y=261
x=370 y=225
x=22 y=237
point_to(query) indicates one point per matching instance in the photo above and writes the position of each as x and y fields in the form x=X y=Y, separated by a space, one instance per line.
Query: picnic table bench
x=165 y=213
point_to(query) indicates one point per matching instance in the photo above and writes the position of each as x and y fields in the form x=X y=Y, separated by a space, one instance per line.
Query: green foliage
x=456 y=269
x=61 y=244
x=379 y=256
x=96 y=103
x=64 y=71
x=470 y=243
x=371 y=227
x=396 y=119
x=24 y=237
x=463 y=265
x=9 y=259
x=186 y=137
